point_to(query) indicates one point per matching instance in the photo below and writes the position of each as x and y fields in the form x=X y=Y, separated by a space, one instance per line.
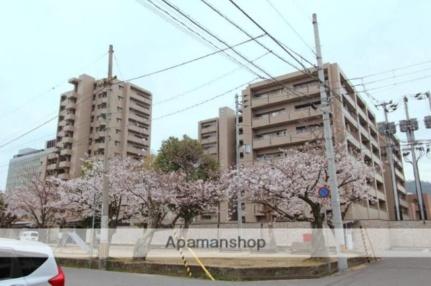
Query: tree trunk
x=318 y=244
x=143 y=244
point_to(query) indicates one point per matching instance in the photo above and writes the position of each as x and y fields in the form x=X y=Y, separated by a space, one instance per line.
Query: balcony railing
x=277 y=140
x=284 y=116
x=283 y=95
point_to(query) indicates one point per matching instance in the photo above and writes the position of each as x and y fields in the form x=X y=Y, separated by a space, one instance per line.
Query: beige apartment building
x=399 y=177
x=82 y=123
x=285 y=113
x=217 y=136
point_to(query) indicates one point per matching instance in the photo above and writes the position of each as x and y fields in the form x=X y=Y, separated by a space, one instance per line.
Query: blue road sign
x=324 y=192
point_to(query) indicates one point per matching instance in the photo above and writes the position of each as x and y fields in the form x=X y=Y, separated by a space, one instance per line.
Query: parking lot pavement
x=389 y=272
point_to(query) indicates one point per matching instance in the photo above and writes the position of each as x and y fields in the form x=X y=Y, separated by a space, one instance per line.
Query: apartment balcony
x=350 y=99
x=209 y=140
x=212 y=128
x=381 y=195
x=68 y=128
x=98 y=146
x=283 y=117
x=51 y=167
x=366 y=151
x=135 y=117
x=374 y=140
x=136 y=139
x=401 y=188
x=69 y=116
x=70 y=104
x=141 y=98
x=399 y=174
x=211 y=151
x=67 y=140
x=283 y=95
x=375 y=157
x=274 y=141
x=65 y=152
x=352 y=118
x=136 y=106
x=99 y=134
x=362 y=113
x=52 y=156
x=364 y=131
x=134 y=150
x=64 y=164
x=62 y=123
x=138 y=129
x=378 y=177
x=353 y=139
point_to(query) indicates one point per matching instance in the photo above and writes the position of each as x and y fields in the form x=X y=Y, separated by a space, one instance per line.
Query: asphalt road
x=389 y=272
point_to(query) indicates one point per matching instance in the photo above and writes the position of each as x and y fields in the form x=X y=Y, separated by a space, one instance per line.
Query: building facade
x=27 y=164
x=399 y=178
x=414 y=211
x=217 y=136
x=82 y=124
x=285 y=113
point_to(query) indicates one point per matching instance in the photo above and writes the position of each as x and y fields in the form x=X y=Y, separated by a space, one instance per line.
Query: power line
x=305 y=70
x=394 y=77
x=218 y=39
x=48 y=91
x=391 y=70
x=205 y=101
x=194 y=22
x=399 y=83
x=200 y=36
x=267 y=33
x=289 y=25
x=246 y=33
x=192 y=60
x=28 y=132
x=205 y=84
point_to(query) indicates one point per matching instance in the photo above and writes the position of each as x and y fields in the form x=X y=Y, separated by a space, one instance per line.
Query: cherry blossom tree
x=82 y=196
x=153 y=198
x=38 y=201
x=288 y=187
x=193 y=197
x=7 y=218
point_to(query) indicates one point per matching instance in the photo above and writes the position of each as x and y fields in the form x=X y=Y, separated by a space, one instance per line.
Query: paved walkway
x=389 y=272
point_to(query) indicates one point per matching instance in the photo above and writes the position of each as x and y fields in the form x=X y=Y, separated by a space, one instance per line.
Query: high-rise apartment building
x=217 y=136
x=399 y=178
x=285 y=113
x=28 y=163
x=82 y=123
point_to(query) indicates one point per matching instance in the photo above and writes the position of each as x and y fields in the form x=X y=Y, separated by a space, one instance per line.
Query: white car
x=28 y=263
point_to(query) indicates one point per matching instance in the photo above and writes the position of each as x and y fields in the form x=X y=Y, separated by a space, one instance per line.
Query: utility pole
x=104 y=225
x=329 y=150
x=239 y=201
x=388 y=132
x=411 y=125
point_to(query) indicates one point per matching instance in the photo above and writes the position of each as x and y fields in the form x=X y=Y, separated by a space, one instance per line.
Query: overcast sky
x=46 y=42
